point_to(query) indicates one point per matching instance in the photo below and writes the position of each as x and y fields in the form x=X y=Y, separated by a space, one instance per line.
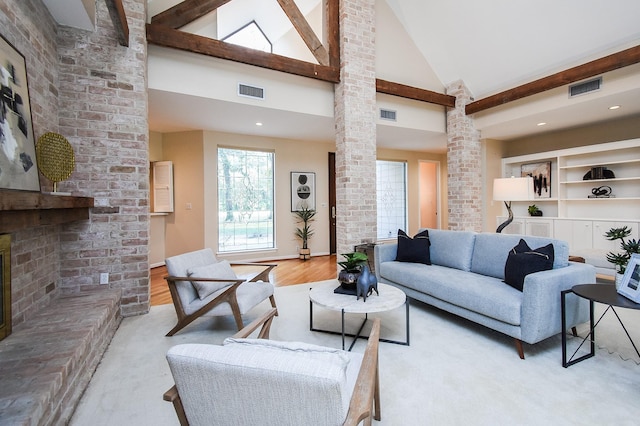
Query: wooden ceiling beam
x=304 y=29
x=590 y=69
x=332 y=26
x=161 y=35
x=119 y=18
x=409 y=92
x=188 y=11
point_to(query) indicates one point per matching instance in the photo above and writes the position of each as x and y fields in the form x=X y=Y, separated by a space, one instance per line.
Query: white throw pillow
x=221 y=271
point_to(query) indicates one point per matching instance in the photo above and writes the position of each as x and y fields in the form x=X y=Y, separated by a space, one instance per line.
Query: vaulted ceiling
x=492 y=46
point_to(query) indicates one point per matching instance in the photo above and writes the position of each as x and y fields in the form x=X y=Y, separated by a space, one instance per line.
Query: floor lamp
x=512 y=189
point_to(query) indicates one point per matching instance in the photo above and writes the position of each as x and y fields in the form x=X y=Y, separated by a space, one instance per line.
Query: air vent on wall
x=250 y=91
x=585 y=87
x=387 y=114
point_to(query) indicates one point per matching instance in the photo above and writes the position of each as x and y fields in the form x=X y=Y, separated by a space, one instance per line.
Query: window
x=245 y=200
x=391 y=187
x=250 y=36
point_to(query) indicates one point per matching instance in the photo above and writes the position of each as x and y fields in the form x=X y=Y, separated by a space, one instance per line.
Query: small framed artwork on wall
x=630 y=284
x=541 y=174
x=303 y=191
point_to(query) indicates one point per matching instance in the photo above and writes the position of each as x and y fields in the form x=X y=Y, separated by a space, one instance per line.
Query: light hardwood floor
x=288 y=272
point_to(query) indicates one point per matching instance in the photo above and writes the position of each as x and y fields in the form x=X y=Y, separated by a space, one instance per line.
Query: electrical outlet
x=104 y=278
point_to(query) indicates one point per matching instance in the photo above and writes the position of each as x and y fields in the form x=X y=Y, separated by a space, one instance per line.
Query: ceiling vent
x=585 y=87
x=387 y=114
x=250 y=91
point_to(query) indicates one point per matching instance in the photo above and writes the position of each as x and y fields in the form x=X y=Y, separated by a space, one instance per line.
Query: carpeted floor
x=454 y=372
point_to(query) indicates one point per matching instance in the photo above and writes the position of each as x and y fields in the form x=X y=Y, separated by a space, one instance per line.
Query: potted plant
x=305 y=216
x=629 y=247
x=534 y=210
x=351 y=269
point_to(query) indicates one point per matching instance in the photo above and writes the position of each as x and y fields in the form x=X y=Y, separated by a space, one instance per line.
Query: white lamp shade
x=513 y=189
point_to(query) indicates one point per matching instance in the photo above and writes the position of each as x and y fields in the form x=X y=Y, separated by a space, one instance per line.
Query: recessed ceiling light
x=614 y=107
x=542 y=123
x=258 y=124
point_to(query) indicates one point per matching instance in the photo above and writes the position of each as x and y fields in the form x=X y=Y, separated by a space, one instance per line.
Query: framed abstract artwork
x=541 y=174
x=18 y=166
x=303 y=191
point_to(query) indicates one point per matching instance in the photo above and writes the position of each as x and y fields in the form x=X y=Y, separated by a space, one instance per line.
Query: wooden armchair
x=257 y=381
x=200 y=285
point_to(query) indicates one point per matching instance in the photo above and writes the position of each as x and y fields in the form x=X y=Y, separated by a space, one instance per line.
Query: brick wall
x=464 y=164
x=355 y=115
x=87 y=87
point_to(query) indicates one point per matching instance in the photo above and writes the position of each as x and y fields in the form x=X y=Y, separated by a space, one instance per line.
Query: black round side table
x=601 y=293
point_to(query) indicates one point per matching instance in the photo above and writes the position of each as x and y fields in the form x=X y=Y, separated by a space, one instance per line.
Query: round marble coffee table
x=389 y=298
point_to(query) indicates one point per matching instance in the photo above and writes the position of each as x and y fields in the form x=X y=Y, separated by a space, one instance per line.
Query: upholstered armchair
x=202 y=285
x=262 y=382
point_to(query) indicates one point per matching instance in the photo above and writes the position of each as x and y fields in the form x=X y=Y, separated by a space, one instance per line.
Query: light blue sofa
x=466 y=279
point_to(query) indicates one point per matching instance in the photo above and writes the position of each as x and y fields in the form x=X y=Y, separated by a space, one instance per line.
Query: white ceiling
x=491 y=45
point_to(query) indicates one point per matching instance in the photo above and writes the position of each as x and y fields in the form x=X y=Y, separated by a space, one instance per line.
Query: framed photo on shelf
x=541 y=174
x=303 y=191
x=18 y=151
x=629 y=287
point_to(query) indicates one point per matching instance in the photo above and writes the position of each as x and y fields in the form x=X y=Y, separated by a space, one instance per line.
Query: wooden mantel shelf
x=23 y=209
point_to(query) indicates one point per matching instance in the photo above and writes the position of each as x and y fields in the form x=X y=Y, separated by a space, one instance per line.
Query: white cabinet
x=539 y=227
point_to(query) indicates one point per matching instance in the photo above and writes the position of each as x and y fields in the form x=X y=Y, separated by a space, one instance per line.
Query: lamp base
x=508 y=221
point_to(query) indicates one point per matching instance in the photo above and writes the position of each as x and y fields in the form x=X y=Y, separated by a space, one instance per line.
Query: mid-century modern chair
x=247 y=382
x=202 y=285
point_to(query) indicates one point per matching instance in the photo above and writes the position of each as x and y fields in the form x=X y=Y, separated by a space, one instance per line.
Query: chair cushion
x=416 y=249
x=221 y=270
x=522 y=261
x=258 y=383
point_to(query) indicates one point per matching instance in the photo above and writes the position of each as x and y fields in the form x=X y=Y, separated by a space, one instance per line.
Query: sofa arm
x=384 y=253
x=541 y=310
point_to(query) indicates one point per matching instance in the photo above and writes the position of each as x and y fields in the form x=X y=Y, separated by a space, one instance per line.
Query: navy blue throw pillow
x=522 y=261
x=416 y=249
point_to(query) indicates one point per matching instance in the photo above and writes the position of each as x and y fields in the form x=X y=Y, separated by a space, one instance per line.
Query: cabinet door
x=562 y=230
x=540 y=227
x=582 y=234
x=515 y=227
x=602 y=227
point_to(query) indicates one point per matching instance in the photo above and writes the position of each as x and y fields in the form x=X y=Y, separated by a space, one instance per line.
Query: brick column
x=464 y=164
x=355 y=112
x=103 y=113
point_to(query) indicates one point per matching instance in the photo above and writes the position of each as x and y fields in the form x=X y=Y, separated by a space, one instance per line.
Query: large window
x=245 y=200
x=391 y=184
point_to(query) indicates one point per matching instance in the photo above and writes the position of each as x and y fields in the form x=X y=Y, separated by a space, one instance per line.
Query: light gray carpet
x=454 y=372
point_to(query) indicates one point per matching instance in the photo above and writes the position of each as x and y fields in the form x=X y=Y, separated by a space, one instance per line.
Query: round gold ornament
x=55 y=158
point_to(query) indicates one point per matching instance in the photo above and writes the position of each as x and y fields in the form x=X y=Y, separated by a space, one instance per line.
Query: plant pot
x=536 y=213
x=618 y=280
x=305 y=253
x=348 y=280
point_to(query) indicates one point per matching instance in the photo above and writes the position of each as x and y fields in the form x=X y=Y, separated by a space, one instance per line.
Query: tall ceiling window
x=245 y=200
x=391 y=184
x=250 y=36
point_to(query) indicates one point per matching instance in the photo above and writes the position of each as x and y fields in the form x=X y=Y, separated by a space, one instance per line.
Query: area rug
x=453 y=373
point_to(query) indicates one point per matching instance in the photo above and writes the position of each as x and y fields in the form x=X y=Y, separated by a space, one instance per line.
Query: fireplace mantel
x=23 y=209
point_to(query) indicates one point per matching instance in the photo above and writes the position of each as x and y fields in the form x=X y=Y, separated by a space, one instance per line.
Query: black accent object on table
x=601 y=293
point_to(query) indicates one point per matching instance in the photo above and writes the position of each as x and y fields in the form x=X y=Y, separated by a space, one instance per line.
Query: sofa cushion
x=220 y=270
x=414 y=249
x=452 y=248
x=477 y=293
x=522 y=261
x=491 y=250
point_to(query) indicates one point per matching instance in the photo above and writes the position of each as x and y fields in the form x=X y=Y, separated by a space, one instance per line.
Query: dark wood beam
x=409 y=92
x=164 y=36
x=304 y=29
x=119 y=18
x=188 y=11
x=590 y=69
x=332 y=27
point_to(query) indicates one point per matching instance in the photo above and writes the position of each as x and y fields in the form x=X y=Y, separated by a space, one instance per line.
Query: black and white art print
x=303 y=191
x=541 y=174
x=18 y=168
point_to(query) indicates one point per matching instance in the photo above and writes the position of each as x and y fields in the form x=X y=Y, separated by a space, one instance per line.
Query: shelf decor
x=541 y=174
x=18 y=168
x=56 y=159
